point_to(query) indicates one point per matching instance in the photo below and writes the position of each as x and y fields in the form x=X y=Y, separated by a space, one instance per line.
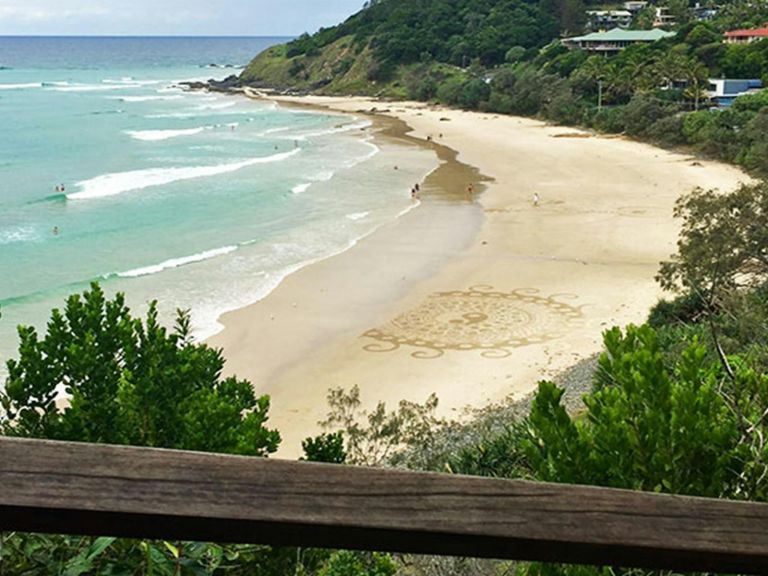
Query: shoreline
x=476 y=315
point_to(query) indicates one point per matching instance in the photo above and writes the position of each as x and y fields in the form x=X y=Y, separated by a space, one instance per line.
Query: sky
x=171 y=17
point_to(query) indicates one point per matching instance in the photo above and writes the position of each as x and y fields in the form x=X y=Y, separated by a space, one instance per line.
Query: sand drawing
x=480 y=318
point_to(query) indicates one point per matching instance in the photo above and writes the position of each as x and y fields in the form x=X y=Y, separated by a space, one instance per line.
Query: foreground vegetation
x=677 y=406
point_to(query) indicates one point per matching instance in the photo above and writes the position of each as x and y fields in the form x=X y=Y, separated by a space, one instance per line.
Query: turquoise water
x=202 y=201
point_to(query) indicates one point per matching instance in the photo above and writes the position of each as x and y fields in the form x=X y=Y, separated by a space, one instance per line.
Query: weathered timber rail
x=137 y=492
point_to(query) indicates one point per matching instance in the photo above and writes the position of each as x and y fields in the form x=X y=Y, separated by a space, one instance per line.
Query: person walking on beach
x=470 y=190
x=536 y=199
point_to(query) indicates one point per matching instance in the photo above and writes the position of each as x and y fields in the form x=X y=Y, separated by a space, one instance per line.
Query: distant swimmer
x=395 y=167
x=58 y=190
x=536 y=199
x=61 y=188
x=55 y=230
x=417 y=187
x=295 y=143
x=414 y=193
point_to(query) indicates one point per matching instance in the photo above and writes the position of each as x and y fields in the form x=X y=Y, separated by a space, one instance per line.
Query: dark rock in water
x=5 y=68
x=194 y=85
x=230 y=83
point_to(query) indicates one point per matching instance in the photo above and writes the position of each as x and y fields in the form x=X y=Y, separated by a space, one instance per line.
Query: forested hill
x=503 y=56
x=377 y=43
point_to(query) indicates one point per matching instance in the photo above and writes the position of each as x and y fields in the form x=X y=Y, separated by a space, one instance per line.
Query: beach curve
x=474 y=307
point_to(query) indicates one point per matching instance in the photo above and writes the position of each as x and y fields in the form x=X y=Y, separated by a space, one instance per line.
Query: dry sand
x=473 y=300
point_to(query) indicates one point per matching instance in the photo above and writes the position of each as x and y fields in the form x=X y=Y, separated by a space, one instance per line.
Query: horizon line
x=148 y=36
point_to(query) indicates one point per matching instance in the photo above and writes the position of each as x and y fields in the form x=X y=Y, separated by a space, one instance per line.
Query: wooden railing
x=137 y=492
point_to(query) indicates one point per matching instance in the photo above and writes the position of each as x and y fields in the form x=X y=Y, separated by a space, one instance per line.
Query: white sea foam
x=91 y=87
x=374 y=151
x=18 y=234
x=117 y=183
x=301 y=188
x=358 y=215
x=323 y=176
x=199 y=113
x=146 y=98
x=132 y=82
x=183 y=115
x=158 y=135
x=217 y=106
x=176 y=262
x=273 y=131
x=21 y=86
x=335 y=130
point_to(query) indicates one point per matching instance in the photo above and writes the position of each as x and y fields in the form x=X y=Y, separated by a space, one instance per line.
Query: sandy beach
x=473 y=298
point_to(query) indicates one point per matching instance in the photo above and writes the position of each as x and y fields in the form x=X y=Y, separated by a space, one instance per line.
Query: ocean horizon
x=111 y=172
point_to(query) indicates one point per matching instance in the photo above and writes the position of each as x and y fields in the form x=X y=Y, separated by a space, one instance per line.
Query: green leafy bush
x=129 y=382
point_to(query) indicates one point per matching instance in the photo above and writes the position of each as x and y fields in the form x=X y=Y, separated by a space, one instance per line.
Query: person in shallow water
x=55 y=230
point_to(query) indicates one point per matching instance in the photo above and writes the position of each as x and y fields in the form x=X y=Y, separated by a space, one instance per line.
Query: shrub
x=609 y=120
x=667 y=131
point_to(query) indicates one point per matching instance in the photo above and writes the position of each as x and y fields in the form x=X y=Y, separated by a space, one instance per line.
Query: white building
x=609 y=19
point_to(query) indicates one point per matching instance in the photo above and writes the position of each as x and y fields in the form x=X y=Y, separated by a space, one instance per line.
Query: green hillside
x=504 y=56
x=374 y=50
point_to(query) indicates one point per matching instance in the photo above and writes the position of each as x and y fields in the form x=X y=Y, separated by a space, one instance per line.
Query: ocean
x=202 y=201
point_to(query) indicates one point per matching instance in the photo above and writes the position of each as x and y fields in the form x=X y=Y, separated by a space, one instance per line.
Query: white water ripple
x=117 y=183
x=176 y=262
x=159 y=135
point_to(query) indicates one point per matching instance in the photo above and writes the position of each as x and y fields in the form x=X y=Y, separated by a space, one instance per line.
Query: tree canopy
x=129 y=382
x=723 y=243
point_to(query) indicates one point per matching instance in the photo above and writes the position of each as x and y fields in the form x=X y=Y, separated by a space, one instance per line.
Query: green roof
x=619 y=35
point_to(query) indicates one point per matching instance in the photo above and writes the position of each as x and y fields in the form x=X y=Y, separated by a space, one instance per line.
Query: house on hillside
x=723 y=91
x=614 y=41
x=634 y=6
x=704 y=13
x=608 y=19
x=663 y=18
x=746 y=36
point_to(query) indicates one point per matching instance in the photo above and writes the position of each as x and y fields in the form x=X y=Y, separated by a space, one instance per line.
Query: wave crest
x=21 y=86
x=158 y=135
x=117 y=183
x=177 y=262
